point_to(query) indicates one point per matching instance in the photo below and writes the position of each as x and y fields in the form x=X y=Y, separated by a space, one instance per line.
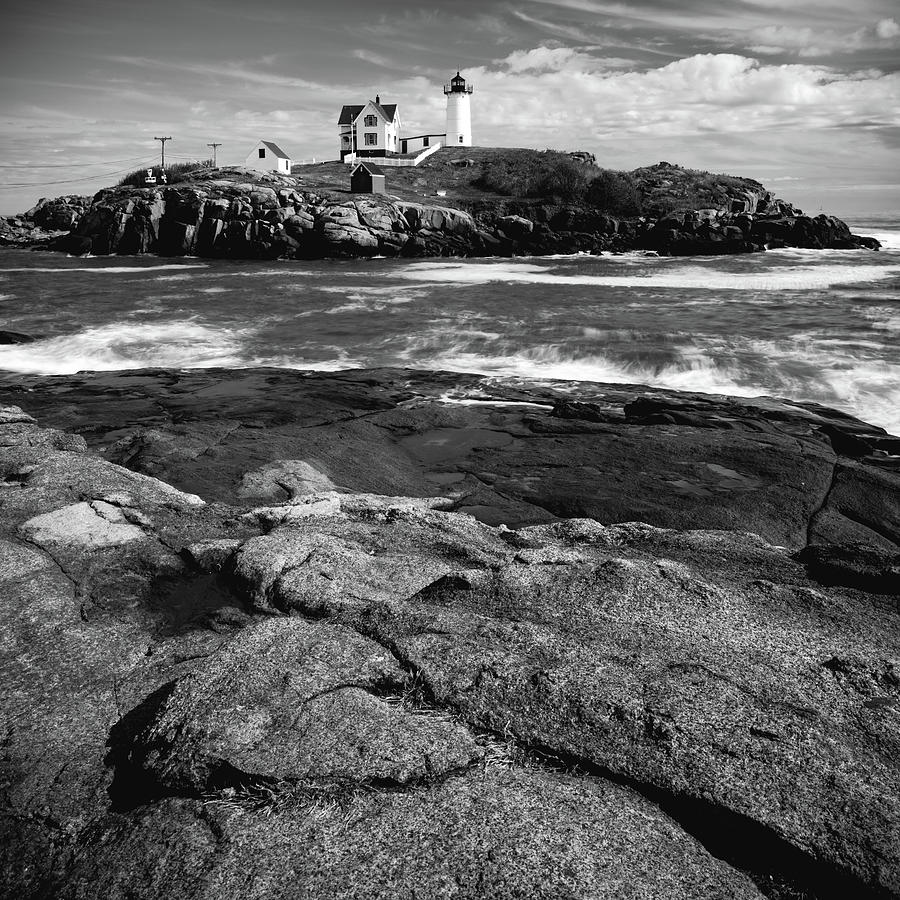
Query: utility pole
x=162 y=150
x=214 y=153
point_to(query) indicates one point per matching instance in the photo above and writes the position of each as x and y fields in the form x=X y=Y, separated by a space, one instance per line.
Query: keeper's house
x=268 y=157
x=371 y=130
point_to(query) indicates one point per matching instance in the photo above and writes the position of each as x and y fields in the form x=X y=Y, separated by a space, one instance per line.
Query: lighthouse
x=459 y=114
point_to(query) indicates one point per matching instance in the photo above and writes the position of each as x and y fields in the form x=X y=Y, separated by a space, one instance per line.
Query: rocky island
x=407 y=634
x=460 y=202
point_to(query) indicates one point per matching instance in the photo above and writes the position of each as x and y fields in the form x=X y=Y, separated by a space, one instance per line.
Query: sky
x=803 y=95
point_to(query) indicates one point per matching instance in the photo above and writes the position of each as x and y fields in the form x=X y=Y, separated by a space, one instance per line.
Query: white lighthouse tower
x=459 y=114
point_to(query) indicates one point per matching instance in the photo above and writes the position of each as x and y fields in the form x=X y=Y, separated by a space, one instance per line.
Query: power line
x=71 y=180
x=102 y=162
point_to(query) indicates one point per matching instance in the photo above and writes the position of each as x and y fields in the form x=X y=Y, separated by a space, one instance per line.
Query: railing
x=459 y=88
x=394 y=162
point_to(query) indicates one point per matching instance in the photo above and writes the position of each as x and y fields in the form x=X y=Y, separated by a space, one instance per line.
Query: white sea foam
x=104 y=270
x=813 y=277
x=890 y=240
x=803 y=368
x=341 y=360
x=368 y=299
x=259 y=273
x=7 y=297
x=340 y=310
x=176 y=344
x=214 y=290
x=883 y=318
x=366 y=291
x=378 y=297
x=475 y=401
x=693 y=372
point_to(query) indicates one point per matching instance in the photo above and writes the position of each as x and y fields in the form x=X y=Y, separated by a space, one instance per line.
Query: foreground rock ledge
x=345 y=694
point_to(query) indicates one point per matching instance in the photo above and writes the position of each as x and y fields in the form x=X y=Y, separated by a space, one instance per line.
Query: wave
x=691 y=276
x=340 y=361
x=883 y=318
x=171 y=344
x=694 y=372
x=800 y=369
x=890 y=240
x=379 y=297
x=107 y=270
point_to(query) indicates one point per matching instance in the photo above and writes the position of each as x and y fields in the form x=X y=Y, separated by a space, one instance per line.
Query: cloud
x=776 y=39
x=562 y=97
x=807 y=42
x=542 y=59
x=234 y=71
x=374 y=59
x=887 y=29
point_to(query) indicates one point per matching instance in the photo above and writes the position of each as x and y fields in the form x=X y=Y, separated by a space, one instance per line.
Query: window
x=403 y=146
x=262 y=153
x=370 y=121
x=425 y=141
x=371 y=140
x=346 y=139
x=460 y=138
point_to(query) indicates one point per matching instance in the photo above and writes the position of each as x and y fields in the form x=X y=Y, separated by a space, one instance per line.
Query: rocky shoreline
x=240 y=214
x=410 y=634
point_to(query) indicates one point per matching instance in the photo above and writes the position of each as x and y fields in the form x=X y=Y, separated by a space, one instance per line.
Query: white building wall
x=459 y=120
x=418 y=143
x=269 y=163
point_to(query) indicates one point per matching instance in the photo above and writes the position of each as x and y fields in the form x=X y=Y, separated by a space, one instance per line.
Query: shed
x=366 y=178
x=268 y=157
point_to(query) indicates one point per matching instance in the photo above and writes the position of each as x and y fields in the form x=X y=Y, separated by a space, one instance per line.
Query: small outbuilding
x=367 y=178
x=269 y=157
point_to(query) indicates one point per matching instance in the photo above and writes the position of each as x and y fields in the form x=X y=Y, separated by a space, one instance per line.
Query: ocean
x=798 y=324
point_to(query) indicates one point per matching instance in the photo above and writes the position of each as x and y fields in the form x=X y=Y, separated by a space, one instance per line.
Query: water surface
x=801 y=324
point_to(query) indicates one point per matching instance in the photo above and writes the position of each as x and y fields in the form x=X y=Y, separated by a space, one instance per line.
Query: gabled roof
x=370 y=167
x=275 y=149
x=350 y=112
x=388 y=110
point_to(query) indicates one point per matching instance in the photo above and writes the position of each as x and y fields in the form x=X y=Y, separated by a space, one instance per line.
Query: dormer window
x=262 y=153
x=370 y=121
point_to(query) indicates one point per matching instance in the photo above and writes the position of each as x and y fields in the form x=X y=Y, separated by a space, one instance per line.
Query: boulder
x=347 y=240
x=300 y=221
x=83 y=525
x=175 y=238
x=505 y=833
x=292 y=701
x=515 y=227
x=15 y=337
x=75 y=244
x=284 y=478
